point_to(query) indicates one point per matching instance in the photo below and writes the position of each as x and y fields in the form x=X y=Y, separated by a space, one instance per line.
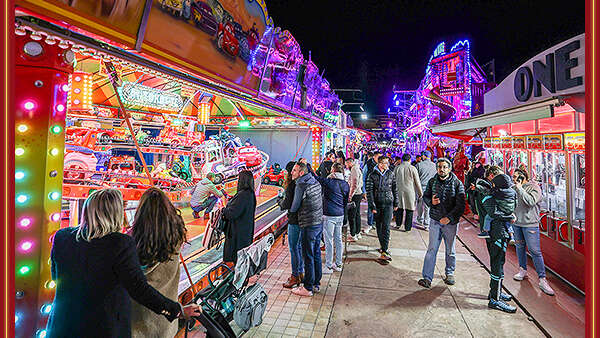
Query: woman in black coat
x=96 y=270
x=239 y=213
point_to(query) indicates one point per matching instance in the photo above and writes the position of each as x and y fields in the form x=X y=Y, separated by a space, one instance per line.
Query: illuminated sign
x=487 y=142
x=440 y=49
x=553 y=142
x=506 y=142
x=519 y=142
x=140 y=95
x=535 y=142
x=575 y=141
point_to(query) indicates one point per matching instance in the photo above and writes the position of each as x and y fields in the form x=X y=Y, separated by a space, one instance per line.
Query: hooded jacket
x=307 y=201
x=381 y=188
x=202 y=191
x=500 y=205
x=527 y=210
x=452 y=198
x=335 y=193
x=483 y=188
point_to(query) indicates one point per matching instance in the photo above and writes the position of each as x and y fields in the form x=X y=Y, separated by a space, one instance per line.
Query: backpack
x=250 y=307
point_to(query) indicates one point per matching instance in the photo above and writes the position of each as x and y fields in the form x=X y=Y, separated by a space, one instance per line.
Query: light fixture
x=25 y=222
x=22 y=198
x=33 y=48
x=19 y=175
x=22 y=128
x=29 y=105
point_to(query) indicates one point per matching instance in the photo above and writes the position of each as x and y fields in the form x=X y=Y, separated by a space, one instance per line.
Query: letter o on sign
x=523 y=84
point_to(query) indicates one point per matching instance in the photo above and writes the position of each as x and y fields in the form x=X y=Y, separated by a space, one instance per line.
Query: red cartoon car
x=250 y=156
x=226 y=40
x=275 y=175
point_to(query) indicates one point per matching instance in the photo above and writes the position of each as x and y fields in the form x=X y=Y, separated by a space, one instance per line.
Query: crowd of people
x=119 y=280
x=418 y=192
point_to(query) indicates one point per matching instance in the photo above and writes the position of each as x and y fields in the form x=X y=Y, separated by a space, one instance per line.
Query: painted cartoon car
x=226 y=40
x=275 y=175
x=203 y=17
x=176 y=137
x=250 y=156
x=178 y=8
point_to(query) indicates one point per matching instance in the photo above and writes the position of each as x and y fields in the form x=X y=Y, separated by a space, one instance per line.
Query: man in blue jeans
x=445 y=196
x=309 y=206
x=294 y=236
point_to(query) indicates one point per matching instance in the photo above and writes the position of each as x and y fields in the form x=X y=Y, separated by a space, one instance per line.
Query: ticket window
x=578 y=184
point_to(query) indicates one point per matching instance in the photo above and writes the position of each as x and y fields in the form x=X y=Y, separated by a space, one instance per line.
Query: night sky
x=374 y=44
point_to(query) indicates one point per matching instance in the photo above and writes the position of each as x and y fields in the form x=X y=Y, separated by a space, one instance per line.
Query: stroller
x=229 y=298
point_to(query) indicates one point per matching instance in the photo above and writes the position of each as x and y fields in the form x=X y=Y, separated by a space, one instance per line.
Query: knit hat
x=502 y=181
x=426 y=153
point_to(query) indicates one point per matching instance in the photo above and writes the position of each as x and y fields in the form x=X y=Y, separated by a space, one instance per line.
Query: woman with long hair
x=294 y=234
x=96 y=270
x=159 y=232
x=239 y=212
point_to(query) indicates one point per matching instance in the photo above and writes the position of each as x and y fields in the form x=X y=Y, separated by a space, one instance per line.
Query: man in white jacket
x=427 y=170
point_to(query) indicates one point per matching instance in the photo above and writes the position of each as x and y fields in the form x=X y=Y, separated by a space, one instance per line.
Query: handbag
x=250 y=307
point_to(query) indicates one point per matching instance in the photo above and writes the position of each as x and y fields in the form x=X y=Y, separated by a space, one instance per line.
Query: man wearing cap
x=426 y=170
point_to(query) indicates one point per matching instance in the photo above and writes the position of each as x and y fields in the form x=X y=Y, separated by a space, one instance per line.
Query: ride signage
x=140 y=95
x=575 y=141
x=553 y=142
x=535 y=142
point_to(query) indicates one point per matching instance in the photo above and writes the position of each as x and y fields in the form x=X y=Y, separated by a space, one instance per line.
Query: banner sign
x=553 y=142
x=519 y=142
x=575 y=141
x=535 y=142
x=139 y=95
x=506 y=142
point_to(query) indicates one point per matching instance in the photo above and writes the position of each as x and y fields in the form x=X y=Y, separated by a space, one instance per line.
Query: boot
x=292 y=282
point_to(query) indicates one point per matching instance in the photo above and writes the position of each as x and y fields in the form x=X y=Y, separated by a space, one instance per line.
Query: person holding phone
x=526 y=227
x=445 y=196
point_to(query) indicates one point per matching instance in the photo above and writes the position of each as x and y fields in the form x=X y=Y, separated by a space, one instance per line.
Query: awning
x=527 y=112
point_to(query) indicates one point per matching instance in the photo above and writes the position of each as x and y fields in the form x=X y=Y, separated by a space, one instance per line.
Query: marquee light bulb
x=65 y=88
x=55 y=217
x=50 y=284
x=22 y=198
x=22 y=128
x=46 y=309
x=60 y=107
x=19 y=151
x=25 y=222
x=29 y=105
x=56 y=129
x=40 y=334
x=26 y=246
x=54 y=151
x=19 y=175
x=54 y=195
x=24 y=270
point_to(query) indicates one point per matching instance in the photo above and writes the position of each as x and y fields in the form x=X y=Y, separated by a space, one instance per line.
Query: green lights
x=56 y=129
x=22 y=198
x=244 y=124
x=19 y=175
x=24 y=270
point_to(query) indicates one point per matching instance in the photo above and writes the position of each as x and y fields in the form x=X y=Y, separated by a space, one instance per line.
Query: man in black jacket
x=383 y=201
x=373 y=158
x=445 y=196
x=325 y=168
x=309 y=205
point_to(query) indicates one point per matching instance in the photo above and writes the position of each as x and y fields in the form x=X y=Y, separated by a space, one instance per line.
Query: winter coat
x=381 y=188
x=286 y=203
x=527 y=211
x=356 y=181
x=94 y=283
x=408 y=185
x=452 y=198
x=164 y=277
x=426 y=169
x=500 y=205
x=239 y=234
x=308 y=201
x=483 y=188
x=335 y=193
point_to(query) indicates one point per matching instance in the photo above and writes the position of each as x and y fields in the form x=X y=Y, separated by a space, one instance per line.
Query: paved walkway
x=368 y=299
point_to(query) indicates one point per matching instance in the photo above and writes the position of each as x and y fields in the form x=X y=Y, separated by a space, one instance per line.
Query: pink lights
x=25 y=222
x=25 y=246
x=60 y=108
x=65 y=88
x=55 y=217
x=29 y=105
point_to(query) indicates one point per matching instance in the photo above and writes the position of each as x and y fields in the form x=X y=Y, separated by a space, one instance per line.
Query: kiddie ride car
x=250 y=156
x=275 y=175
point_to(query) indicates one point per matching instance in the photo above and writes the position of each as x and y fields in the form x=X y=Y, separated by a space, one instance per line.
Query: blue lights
x=460 y=44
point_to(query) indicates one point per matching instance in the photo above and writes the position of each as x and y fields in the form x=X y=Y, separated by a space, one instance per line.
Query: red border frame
x=7 y=167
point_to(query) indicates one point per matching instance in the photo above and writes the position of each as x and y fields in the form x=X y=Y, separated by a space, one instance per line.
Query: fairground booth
x=535 y=119
x=136 y=94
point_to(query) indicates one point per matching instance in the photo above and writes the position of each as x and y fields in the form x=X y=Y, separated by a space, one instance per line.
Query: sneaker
x=337 y=268
x=301 y=291
x=323 y=247
x=385 y=256
x=426 y=283
x=292 y=282
x=359 y=237
x=483 y=234
x=522 y=274
x=449 y=280
x=545 y=287
x=355 y=238
x=327 y=271
x=351 y=238
x=316 y=289
x=502 y=306
x=195 y=214
x=503 y=297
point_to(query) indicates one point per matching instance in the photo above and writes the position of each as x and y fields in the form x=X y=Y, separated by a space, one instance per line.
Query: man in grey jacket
x=309 y=205
x=527 y=231
x=427 y=170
